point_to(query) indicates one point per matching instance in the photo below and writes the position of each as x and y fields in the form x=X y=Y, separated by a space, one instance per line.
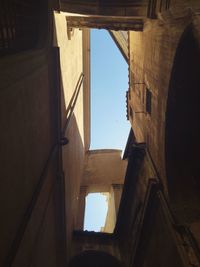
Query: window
x=148 y=101
x=131 y=113
x=95 y=211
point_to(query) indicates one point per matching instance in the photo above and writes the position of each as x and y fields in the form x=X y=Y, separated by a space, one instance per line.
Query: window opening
x=96 y=209
x=131 y=113
x=148 y=101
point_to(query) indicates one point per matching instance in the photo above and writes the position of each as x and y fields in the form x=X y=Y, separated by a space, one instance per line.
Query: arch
x=91 y=258
x=182 y=139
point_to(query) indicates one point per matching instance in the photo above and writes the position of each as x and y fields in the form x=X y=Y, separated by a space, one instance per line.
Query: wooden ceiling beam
x=109 y=23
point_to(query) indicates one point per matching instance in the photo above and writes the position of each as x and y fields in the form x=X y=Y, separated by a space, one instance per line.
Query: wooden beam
x=122 y=8
x=109 y=23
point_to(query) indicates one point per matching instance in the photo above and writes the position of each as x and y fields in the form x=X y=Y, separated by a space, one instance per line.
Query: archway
x=182 y=141
x=93 y=258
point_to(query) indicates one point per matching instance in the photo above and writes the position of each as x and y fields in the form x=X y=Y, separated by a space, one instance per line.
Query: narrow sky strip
x=109 y=128
x=109 y=83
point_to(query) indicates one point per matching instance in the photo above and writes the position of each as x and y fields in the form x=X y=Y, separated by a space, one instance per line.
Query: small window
x=148 y=101
x=131 y=113
x=96 y=211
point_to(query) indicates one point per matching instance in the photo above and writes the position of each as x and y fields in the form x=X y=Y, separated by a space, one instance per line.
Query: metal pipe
x=72 y=103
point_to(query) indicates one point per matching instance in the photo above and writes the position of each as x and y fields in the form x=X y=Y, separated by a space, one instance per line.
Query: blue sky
x=109 y=83
x=95 y=213
x=109 y=127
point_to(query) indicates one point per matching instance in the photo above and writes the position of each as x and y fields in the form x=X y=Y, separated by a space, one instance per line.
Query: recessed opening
x=148 y=101
x=183 y=131
x=131 y=113
x=96 y=209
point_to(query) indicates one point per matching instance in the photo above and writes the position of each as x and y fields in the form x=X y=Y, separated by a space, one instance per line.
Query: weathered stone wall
x=146 y=231
x=152 y=54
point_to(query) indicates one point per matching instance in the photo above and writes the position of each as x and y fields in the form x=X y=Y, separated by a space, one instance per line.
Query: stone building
x=46 y=165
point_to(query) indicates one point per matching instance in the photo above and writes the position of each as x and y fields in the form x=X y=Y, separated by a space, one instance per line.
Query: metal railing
x=42 y=179
x=28 y=213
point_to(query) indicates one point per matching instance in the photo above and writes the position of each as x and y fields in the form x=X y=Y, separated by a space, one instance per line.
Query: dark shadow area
x=23 y=26
x=103 y=7
x=93 y=258
x=183 y=131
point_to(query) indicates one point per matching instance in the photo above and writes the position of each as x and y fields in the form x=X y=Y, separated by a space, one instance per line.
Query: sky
x=95 y=213
x=109 y=127
x=109 y=83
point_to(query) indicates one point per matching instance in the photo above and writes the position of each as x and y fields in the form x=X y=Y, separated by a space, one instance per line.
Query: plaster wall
x=39 y=245
x=111 y=214
x=26 y=98
x=73 y=44
x=30 y=126
x=113 y=199
x=103 y=167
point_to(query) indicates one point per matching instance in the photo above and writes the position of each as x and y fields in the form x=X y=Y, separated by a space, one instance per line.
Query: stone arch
x=182 y=139
x=91 y=258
